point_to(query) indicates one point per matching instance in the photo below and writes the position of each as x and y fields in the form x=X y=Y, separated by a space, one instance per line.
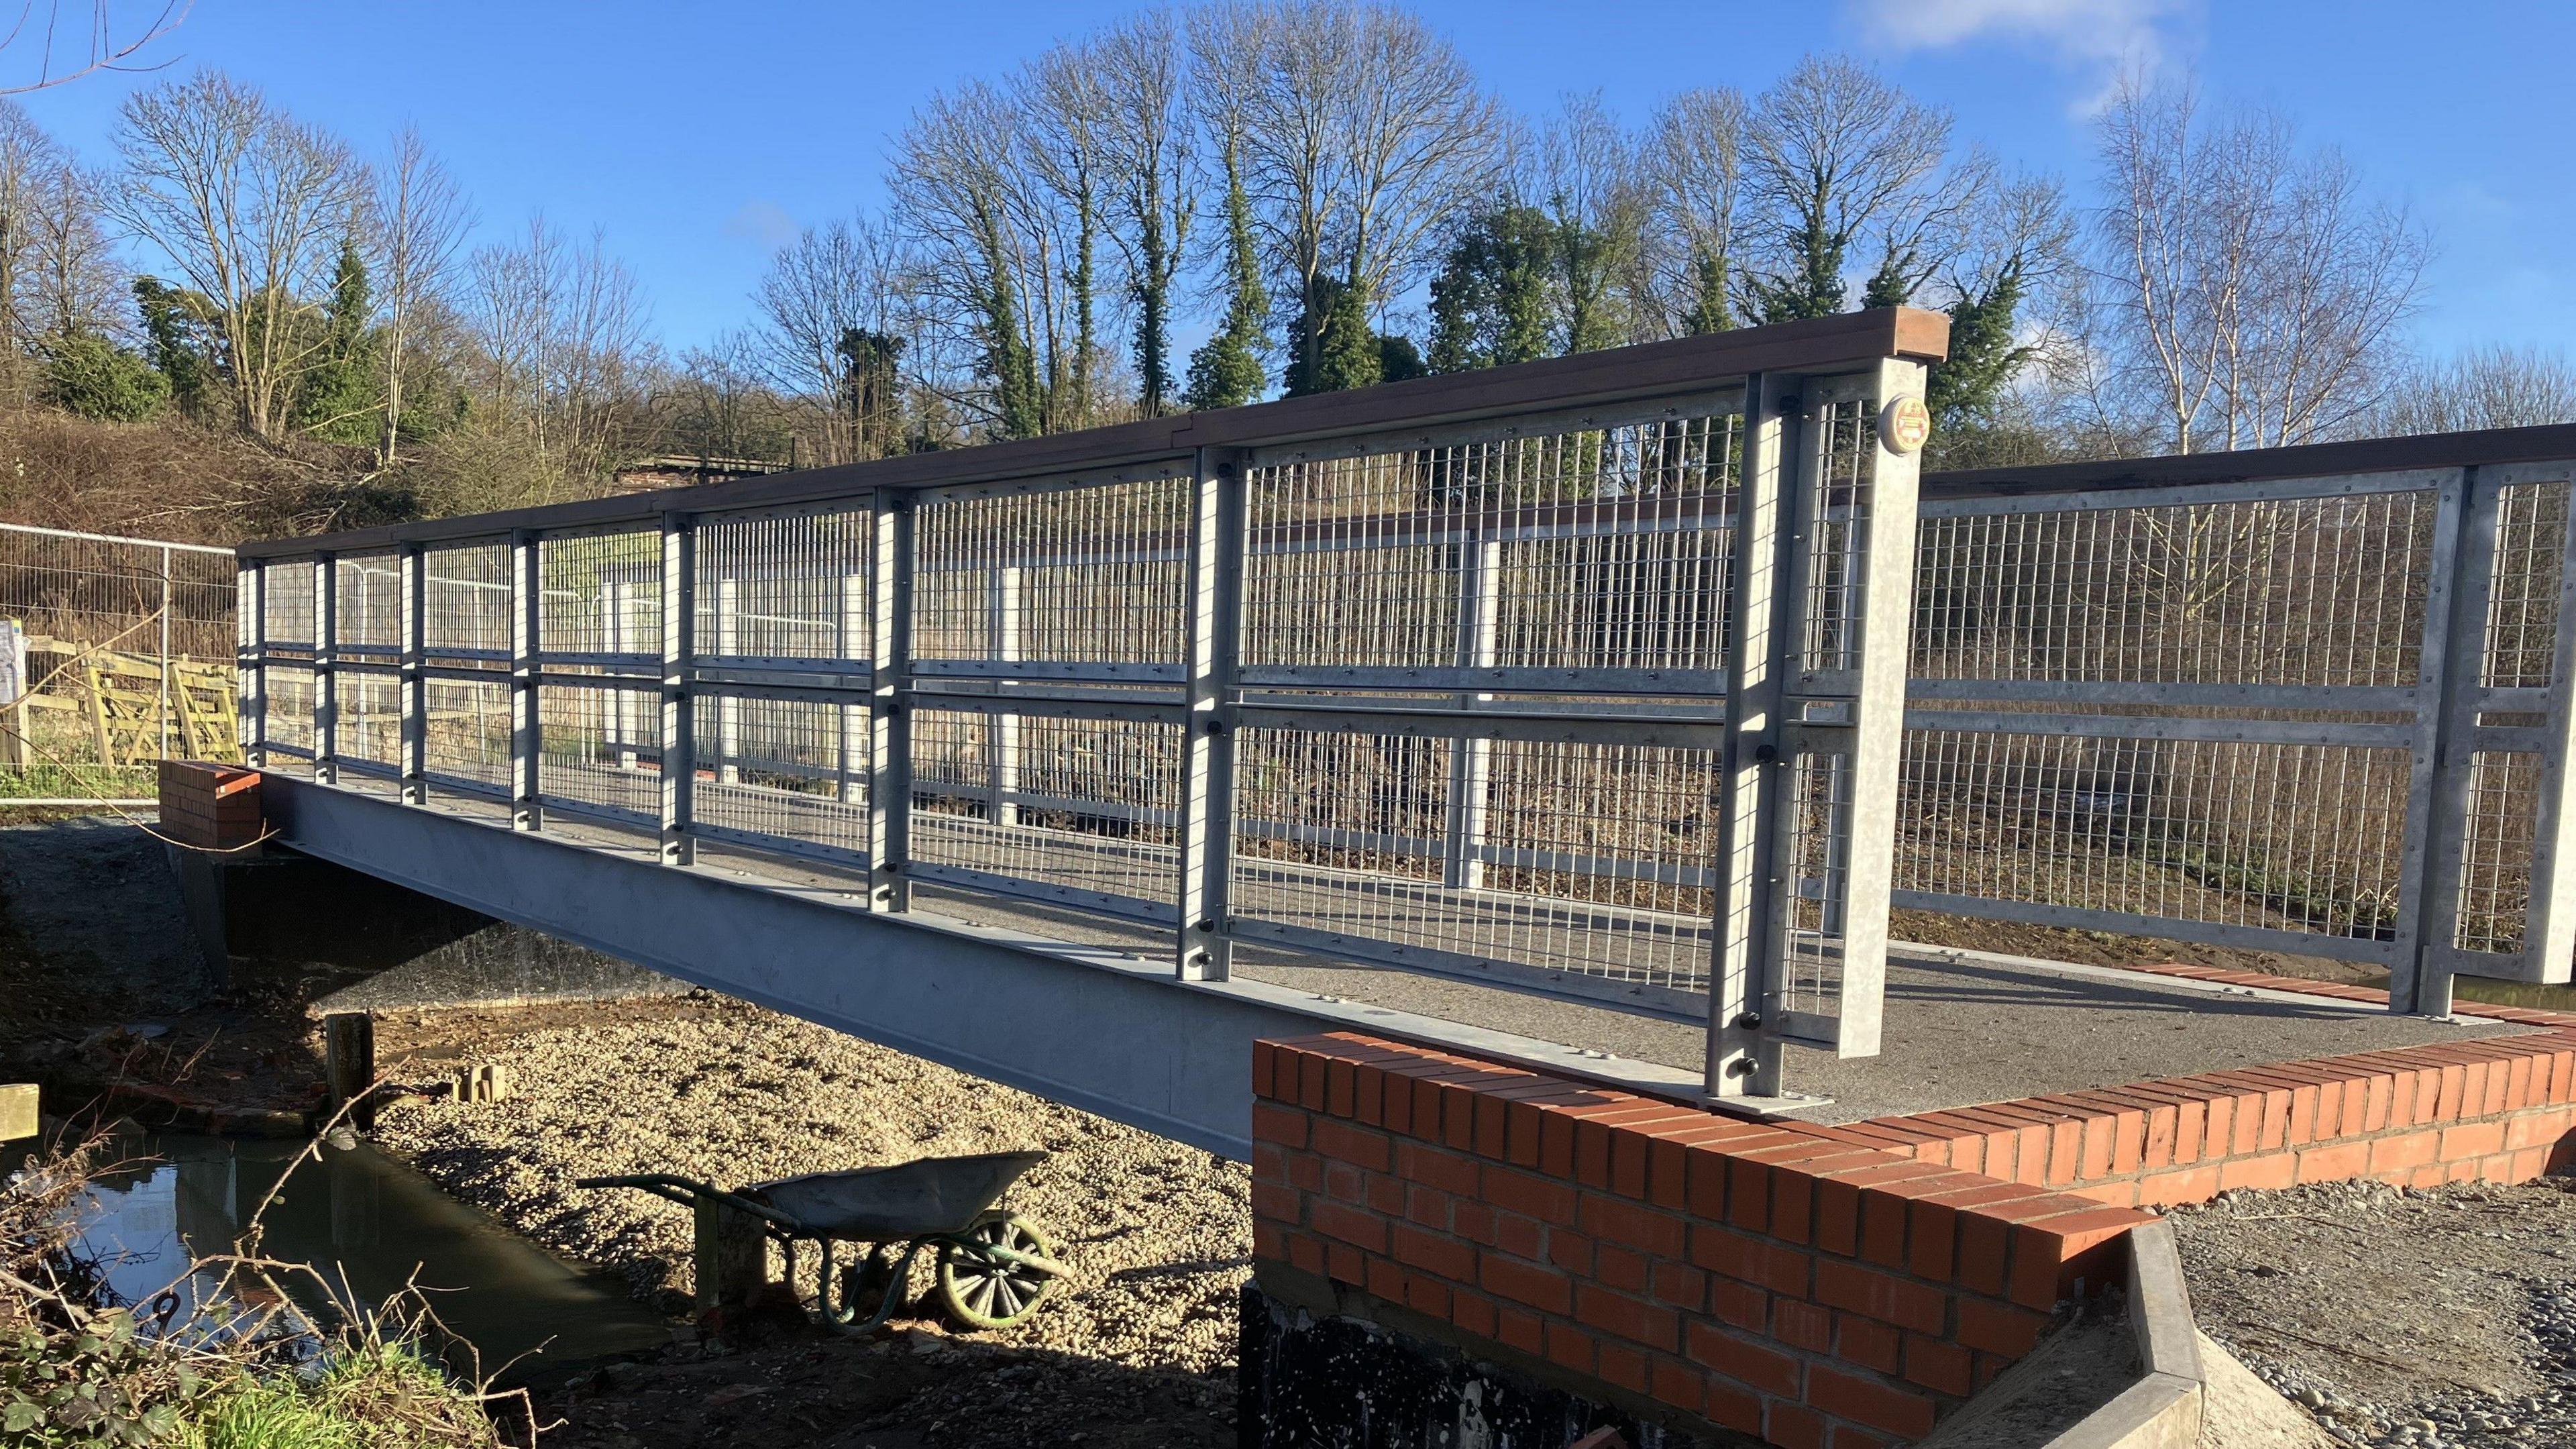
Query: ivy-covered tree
x=1226 y=371
x=1352 y=354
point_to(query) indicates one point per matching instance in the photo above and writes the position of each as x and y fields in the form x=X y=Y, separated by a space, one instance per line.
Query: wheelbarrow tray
x=934 y=1197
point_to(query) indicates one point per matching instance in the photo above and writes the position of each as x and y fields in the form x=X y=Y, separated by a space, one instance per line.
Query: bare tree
x=77 y=282
x=834 y=330
x=561 y=330
x=1062 y=178
x=251 y=208
x=1364 y=132
x=420 y=221
x=1835 y=157
x=2493 y=386
x=1153 y=158
x=1598 y=200
x=98 y=31
x=984 y=249
x=28 y=157
x=1694 y=165
x=2243 y=294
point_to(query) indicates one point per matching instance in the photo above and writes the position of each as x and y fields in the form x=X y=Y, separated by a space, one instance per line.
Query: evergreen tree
x=93 y=377
x=181 y=342
x=1398 y=359
x=1964 y=389
x=1350 y=355
x=1491 y=302
x=339 y=396
x=1227 y=371
x=871 y=389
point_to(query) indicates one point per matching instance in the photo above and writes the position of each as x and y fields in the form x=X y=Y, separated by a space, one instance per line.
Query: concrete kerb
x=2163 y=1409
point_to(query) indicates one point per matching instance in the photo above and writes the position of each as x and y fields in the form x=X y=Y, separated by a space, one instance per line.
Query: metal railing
x=2312 y=700
x=130 y=645
x=1433 y=676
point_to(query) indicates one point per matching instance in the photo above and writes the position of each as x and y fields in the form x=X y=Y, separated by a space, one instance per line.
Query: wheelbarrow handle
x=688 y=1192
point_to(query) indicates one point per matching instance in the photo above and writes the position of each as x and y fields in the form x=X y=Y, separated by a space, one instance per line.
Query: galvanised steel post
x=890 y=701
x=679 y=711
x=414 y=562
x=326 y=690
x=1743 y=1059
x=1208 y=725
x=527 y=722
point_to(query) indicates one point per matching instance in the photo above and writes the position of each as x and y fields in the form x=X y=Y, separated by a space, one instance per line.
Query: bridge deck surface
x=1960 y=1028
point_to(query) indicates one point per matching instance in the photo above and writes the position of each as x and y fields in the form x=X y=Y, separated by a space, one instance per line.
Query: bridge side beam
x=1086 y=1026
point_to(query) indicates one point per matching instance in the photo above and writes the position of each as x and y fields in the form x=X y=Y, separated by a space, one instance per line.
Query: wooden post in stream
x=349 y=1064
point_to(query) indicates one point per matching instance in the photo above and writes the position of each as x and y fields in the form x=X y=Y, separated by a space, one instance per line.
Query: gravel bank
x=1159 y=1235
x=2396 y=1317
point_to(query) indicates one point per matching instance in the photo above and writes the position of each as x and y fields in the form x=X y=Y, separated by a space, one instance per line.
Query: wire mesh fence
x=130 y=646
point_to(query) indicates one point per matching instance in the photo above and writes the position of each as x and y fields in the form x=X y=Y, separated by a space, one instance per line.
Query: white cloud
x=2097 y=37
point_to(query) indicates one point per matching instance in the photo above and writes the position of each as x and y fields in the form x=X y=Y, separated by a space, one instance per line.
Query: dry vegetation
x=197 y=1366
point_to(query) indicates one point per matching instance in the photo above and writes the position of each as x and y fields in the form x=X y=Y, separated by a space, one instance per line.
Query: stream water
x=371 y=1224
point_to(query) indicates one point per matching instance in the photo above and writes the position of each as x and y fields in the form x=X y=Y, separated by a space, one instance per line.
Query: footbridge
x=1641 y=685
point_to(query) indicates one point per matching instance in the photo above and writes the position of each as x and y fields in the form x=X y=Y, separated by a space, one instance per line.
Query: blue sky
x=698 y=136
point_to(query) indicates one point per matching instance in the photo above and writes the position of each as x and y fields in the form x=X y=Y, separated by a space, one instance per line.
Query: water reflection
x=372 y=1225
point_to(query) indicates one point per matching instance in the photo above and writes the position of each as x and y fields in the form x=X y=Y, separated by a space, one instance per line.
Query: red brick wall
x=2498 y=1108
x=1770 y=1280
x=215 y=807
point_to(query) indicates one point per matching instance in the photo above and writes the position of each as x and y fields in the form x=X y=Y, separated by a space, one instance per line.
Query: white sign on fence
x=13 y=661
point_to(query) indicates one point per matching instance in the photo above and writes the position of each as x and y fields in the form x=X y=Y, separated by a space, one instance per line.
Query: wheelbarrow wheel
x=976 y=1292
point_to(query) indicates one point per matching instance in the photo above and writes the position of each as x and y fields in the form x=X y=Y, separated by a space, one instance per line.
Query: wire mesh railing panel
x=2297 y=838
x=1094 y=575
x=2530 y=560
x=369 y=719
x=1579 y=860
x=465 y=601
x=781 y=772
x=602 y=749
x=366 y=602
x=784 y=586
x=288 y=609
x=1816 y=851
x=1599 y=548
x=467 y=731
x=2317 y=591
x=1068 y=809
x=287 y=718
x=1837 y=526
x=2496 y=851
x=602 y=595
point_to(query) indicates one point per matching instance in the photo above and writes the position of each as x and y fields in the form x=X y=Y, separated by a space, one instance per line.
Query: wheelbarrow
x=993 y=1267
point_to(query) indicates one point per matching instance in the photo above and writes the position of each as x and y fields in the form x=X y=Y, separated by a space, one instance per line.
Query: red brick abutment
x=1452 y=1253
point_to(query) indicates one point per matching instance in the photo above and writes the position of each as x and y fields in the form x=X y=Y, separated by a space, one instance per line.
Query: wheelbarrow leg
x=832 y=1294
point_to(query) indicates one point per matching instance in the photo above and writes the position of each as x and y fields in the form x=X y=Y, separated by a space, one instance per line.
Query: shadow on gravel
x=909 y=1390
